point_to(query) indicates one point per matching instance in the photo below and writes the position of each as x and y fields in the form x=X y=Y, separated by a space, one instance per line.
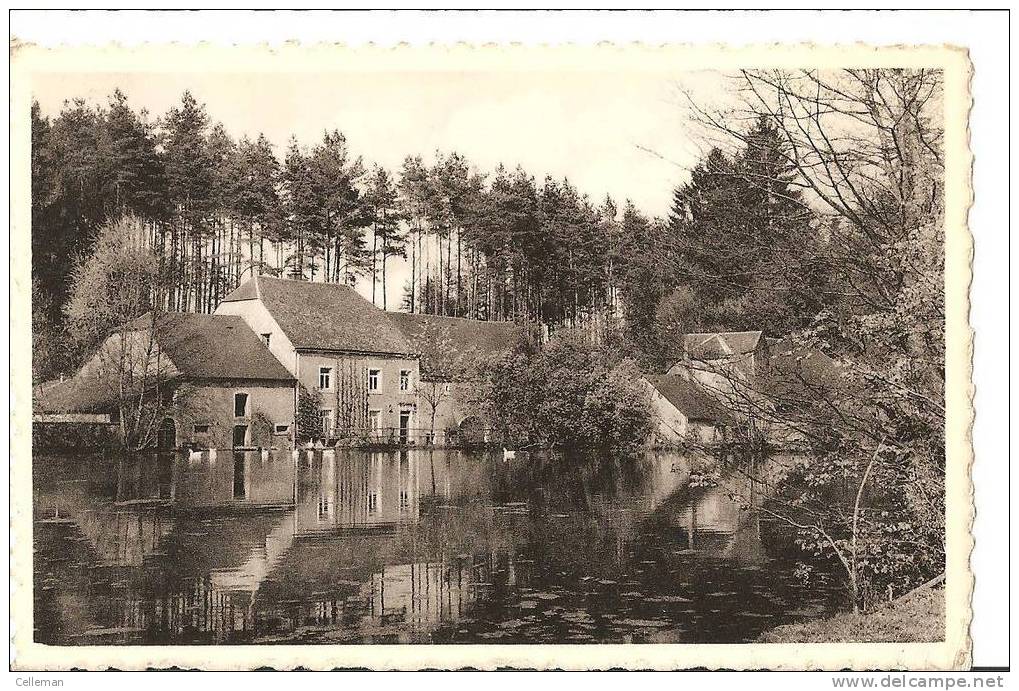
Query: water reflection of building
x=350 y=489
x=368 y=586
x=211 y=547
x=212 y=478
x=124 y=536
x=122 y=521
x=718 y=519
x=176 y=546
x=365 y=561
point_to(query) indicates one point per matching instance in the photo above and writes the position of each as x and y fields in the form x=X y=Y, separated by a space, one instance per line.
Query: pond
x=409 y=547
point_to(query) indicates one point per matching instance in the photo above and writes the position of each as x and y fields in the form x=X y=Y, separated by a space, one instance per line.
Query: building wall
x=448 y=411
x=457 y=402
x=269 y=404
x=262 y=322
x=348 y=395
x=673 y=426
x=670 y=423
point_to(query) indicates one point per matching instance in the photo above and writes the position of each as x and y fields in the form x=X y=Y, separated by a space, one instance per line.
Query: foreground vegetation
x=916 y=618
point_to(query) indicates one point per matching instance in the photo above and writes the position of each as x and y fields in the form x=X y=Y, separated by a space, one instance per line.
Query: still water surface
x=406 y=547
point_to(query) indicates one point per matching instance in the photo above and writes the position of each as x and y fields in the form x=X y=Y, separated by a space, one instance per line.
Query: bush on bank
x=569 y=394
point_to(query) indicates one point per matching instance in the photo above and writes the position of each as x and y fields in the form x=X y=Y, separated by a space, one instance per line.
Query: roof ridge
x=446 y=316
x=723 y=333
x=284 y=279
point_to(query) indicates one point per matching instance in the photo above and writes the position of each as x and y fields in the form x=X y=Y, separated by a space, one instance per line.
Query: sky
x=593 y=127
x=585 y=126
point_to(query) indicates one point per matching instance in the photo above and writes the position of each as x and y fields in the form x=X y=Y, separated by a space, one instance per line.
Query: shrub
x=309 y=420
x=569 y=395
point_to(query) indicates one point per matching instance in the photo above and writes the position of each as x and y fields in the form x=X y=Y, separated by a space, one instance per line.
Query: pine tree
x=336 y=175
x=385 y=218
x=189 y=184
x=413 y=201
x=744 y=238
x=301 y=209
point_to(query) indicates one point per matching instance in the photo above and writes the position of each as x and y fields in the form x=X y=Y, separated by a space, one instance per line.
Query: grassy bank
x=919 y=617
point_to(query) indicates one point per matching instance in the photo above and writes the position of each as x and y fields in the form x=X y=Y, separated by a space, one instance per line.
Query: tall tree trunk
x=441 y=302
x=449 y=274
x=375 y=250
x=385 y=302
x=459 y=297
x=413 y=270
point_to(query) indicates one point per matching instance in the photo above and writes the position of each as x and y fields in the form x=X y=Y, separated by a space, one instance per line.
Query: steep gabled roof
x=447 y=344
x=214 y=346
x=716 y=346
x=794 y=372
x=201 y=347
x=324 y=316
x=690 y=399
x=74 y=395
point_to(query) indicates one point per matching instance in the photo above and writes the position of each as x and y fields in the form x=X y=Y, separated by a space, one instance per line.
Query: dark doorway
x=166 y=437
x=404 y=425
x=240 y=435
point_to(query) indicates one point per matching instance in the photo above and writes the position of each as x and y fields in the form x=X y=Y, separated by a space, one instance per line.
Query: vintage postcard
x=578 y=357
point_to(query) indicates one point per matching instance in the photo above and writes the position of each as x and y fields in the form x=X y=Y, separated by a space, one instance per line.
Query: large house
x=347 y=356
x=287 y=360
x=212 y=382
x=397 y=377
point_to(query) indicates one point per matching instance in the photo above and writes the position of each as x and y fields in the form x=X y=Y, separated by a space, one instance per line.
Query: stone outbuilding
x=685 y=412
x=210 y=380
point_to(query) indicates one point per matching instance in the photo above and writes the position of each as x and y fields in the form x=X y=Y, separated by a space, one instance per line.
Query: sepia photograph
x=495 y=351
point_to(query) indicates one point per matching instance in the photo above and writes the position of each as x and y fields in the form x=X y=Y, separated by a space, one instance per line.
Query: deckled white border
x=954 y=653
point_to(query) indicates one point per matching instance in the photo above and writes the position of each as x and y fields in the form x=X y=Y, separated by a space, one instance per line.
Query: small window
x=405 y=380
x=373 y=379
x=240 y=405
x=201 y=429
x=373 y=502
x=327 y=420
x=325 y=378
x=374 y=420
x=282 y=429
x=266 y=338
x=404 y=500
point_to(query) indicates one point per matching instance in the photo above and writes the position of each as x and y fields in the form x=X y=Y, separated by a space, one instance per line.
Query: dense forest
x=495 y=245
